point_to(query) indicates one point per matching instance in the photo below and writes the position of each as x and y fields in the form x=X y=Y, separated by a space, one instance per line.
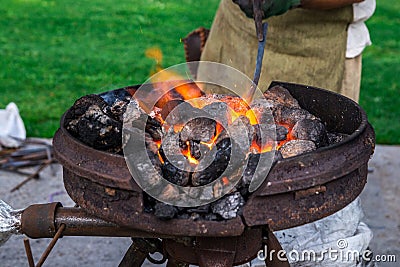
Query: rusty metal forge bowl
x=297 y=190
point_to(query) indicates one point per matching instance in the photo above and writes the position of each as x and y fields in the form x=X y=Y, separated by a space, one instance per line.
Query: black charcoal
x=313 y=130
x=280 y=95
x=296 y=147
x=164 y=211
x=261 y=108
x=219 y=112
x=217 y=167
x=198 y=129
x=289 y=116
x=175 y=175
x=88 y=122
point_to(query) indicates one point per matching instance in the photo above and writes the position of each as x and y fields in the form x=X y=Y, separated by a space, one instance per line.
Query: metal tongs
x=261 y=32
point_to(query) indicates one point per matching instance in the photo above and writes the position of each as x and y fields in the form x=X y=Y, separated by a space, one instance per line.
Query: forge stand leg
x=214 y=251
x=205 y=252
x=216 y=258
x=139 y=251
x=134 y=256
x=174 y=263
x=273 y=245
x=207 y=258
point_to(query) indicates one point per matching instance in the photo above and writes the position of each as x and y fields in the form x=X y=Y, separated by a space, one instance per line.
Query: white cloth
x=320 y=236
x=12 y=129
x=358 y=36
x=343 y=233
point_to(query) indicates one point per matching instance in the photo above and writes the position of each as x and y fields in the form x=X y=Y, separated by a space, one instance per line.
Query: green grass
x=380 y=87
x=53 y=52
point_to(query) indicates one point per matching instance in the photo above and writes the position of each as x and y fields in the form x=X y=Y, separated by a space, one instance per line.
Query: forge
x=201 y=152
x=300 y=187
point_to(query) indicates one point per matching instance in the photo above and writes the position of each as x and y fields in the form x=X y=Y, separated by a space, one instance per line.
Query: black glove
x=269 y=7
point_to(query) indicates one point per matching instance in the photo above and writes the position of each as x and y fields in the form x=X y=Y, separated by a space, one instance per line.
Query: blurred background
x=53 y=52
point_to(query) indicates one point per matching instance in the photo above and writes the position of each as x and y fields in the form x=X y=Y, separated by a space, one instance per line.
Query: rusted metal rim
x=313 y=185
x=125 y=208
x=101 y=184
x=107 y=169
x=326 y=164
x=307 y=170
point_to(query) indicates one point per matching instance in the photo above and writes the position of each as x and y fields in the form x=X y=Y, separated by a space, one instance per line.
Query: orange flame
x=171 y=84
x=252 y=117
x=211 y=143
x=158 y=143
x=289 y=136
x=187 y=153
x=189 y=91
x=156 y=54
x=256 y=148
x=182 y=89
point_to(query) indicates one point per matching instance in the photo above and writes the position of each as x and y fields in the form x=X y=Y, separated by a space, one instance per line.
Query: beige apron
x=303 y=46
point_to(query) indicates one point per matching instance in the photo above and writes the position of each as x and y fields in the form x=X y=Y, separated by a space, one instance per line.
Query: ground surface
x=381 y=201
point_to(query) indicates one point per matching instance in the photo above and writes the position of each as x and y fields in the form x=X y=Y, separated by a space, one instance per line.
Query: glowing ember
x=188 y=154
x=238 y=107
x=218 y=130
x=158 y=143
x=172 y=87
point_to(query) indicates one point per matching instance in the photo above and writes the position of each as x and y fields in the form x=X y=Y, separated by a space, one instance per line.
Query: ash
x=229 y=206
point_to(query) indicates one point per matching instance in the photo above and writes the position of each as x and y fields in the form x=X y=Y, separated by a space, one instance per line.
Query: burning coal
x=196 y=155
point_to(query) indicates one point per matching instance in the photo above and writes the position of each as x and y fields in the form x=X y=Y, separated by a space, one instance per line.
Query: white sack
x=12 y=129
x=342 y=231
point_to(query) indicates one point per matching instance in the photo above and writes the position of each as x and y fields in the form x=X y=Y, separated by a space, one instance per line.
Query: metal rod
x=42 y=220
x=50 y=246
x=33 y=175
x=260 y=54
x=16 y=171
x=257 y=73
x=28 y=251
x=81 y=223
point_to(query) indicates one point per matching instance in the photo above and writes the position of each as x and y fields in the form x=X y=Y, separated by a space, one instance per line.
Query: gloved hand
x=269 y=7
